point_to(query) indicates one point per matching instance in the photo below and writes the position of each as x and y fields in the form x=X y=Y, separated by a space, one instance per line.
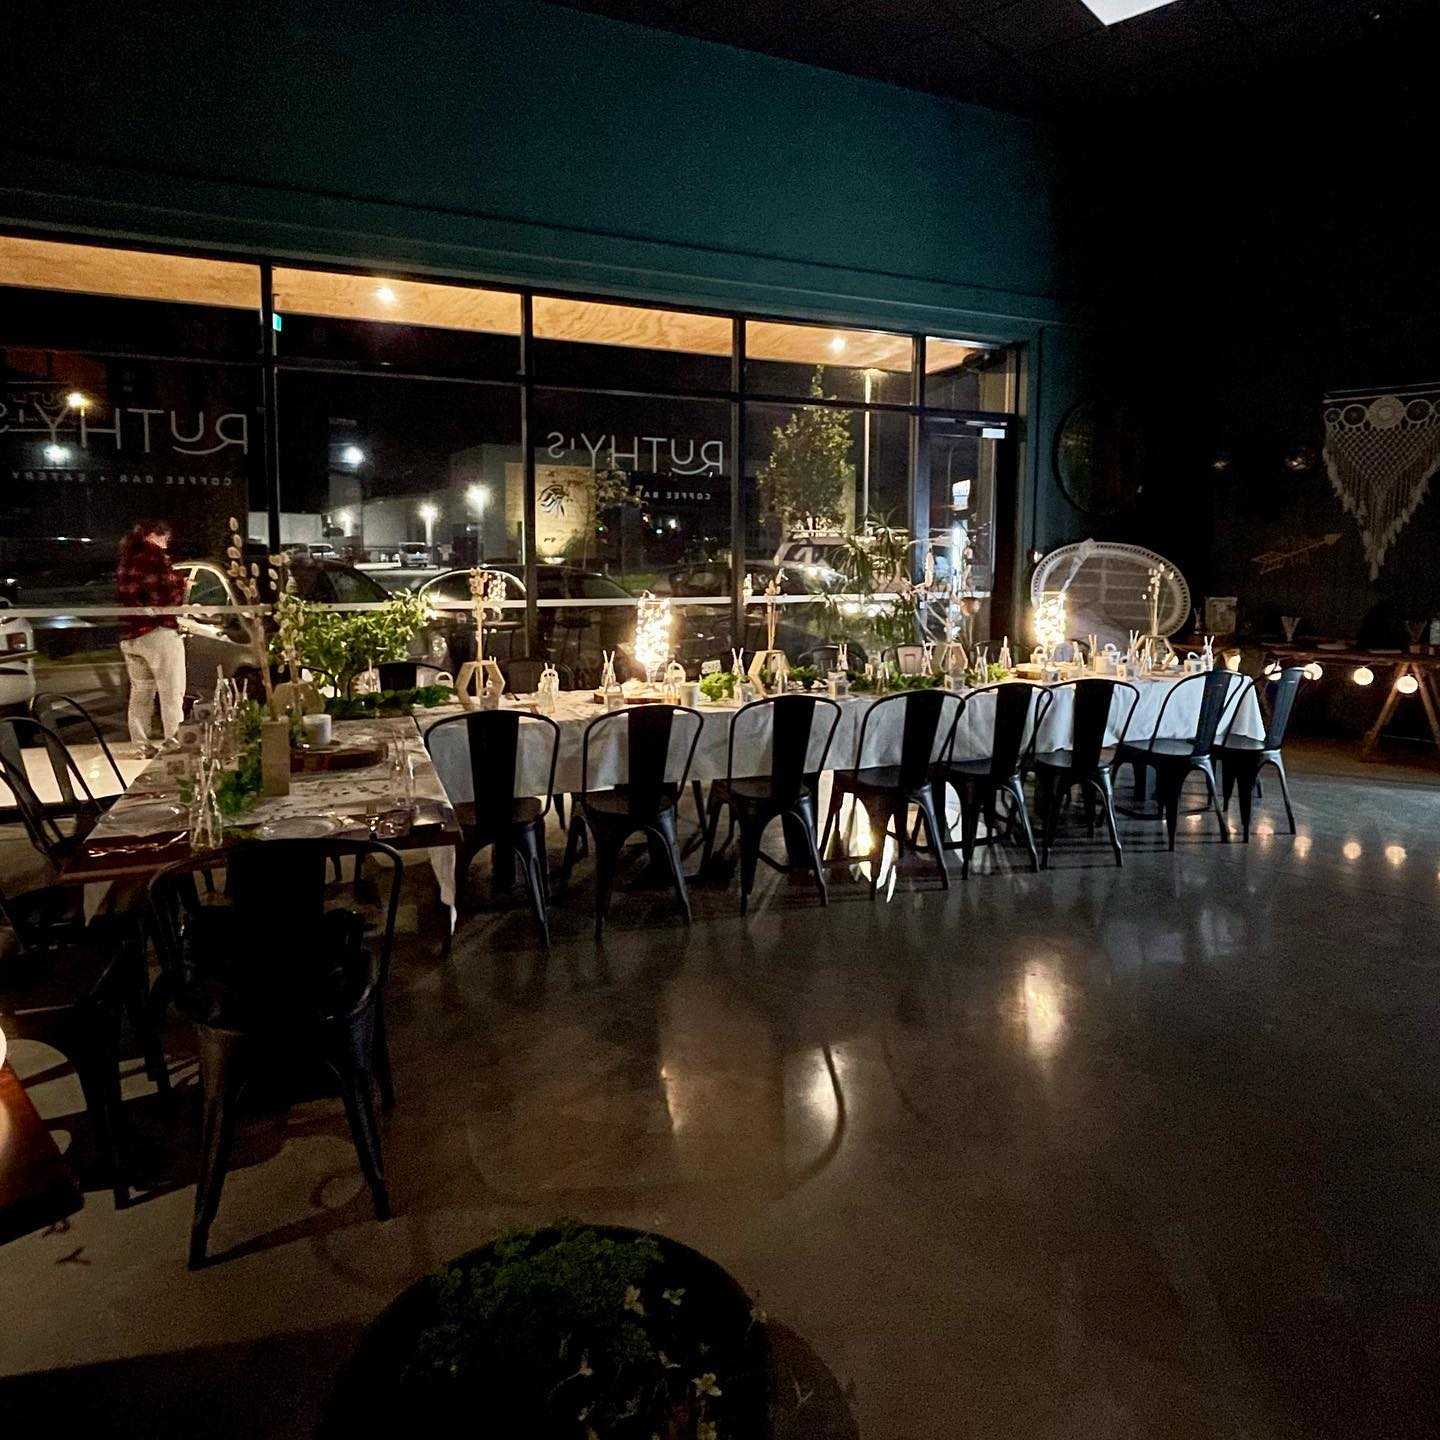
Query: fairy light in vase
x=1050 y=622
x=652 y=634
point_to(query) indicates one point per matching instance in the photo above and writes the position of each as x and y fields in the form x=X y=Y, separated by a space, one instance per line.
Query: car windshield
x=337 y=585
x=448 y=589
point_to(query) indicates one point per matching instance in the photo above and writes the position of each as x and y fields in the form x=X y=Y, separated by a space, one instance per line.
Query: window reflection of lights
x=1265 y=830
x=56 y=454
x=353 y=455
x=1395 y=854
x=1351 y=850
x=837 y=344
x=386 y=295
x=1302 y=845
x=77 y=400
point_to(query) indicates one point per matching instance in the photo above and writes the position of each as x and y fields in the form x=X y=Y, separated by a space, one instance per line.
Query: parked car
x=710 y=634
x=17 y=659
x=315 y=551
x=572 y=635
x=220 y=642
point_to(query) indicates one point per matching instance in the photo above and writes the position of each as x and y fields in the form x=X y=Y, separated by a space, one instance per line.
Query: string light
x=1363 y=675
x=1050 y=620
x=652 y=634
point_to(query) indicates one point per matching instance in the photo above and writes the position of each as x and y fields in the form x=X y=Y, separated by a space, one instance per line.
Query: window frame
x=738 y=394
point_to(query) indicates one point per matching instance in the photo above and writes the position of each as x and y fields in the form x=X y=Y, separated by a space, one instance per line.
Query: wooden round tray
x=336 y=757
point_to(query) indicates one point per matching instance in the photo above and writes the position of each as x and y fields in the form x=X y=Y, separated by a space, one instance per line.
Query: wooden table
x=115 y=851
x=36 y=1185
x=1425 y=669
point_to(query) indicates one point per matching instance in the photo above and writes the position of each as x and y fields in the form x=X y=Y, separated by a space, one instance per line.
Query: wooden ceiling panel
x=129 y=274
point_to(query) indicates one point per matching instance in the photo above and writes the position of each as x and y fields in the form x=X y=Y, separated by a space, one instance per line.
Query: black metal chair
x=646 y=802
x=1088 y=761
x=823 y=657
x=406 y=674
x=19 y=733
x=888 y=791
x=269 y=974
x=1173 y=760
x=69 y=984
x=522 y=675
x=1020 y=710
x=60 y=712
x=1242 y=757
x=495 y=815
x=789 y=793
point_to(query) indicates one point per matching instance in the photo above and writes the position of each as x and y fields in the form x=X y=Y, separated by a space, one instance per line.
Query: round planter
x=375 y=1396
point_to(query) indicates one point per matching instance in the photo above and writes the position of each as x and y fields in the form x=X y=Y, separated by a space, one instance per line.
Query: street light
x=429 y=514
x=478 y=497
x=353 y=455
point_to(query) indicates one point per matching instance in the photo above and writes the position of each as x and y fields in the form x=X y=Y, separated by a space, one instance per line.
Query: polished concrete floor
x=1134 y=1153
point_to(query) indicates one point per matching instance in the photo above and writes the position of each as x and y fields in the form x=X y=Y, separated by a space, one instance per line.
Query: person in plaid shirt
x=154 y=653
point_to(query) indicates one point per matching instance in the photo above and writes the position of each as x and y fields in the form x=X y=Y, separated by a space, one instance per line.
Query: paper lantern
x=1313 y=671
x=1363 y=675
x=1407 y=684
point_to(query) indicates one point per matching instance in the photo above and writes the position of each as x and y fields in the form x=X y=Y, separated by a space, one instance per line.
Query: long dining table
x=147 y=828
x=575 y=709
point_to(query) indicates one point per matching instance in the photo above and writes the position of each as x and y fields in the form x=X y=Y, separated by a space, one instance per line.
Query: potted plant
x=580 y=1332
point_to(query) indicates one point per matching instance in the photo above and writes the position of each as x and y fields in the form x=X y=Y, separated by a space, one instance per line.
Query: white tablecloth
x=341 y=796
x=576 y=709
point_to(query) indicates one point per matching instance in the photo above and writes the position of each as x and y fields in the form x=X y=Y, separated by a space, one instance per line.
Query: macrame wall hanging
x=1381 y=448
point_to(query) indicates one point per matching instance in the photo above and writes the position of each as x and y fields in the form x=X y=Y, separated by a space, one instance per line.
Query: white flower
x=706 y=1384
x=632 y=1299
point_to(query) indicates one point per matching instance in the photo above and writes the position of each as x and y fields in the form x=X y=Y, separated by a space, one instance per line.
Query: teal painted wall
x=520 y=141
x=527 y=141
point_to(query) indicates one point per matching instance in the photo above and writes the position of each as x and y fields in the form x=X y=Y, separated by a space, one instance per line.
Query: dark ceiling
x=1031 y=55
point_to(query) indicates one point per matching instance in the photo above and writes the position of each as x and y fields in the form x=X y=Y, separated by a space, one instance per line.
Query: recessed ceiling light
x=1113 y=11
x=385 y=295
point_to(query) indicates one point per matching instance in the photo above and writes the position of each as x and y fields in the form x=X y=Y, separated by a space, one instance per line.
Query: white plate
x=150 y=816
x=298 y=827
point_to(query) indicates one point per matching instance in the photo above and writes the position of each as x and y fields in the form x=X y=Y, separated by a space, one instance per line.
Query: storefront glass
x=378 y=423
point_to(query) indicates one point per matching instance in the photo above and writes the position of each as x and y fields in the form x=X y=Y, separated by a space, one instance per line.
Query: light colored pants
x=156 y=666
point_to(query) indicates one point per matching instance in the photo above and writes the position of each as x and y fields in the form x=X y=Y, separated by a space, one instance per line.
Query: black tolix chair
x=888 y=791
x=1173 y=760
x=495 y=815
x=1020 y=710
x=789 y=793
x=1088 y=761
x=270 y=975
x=1242 y=758
x=646 y=802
